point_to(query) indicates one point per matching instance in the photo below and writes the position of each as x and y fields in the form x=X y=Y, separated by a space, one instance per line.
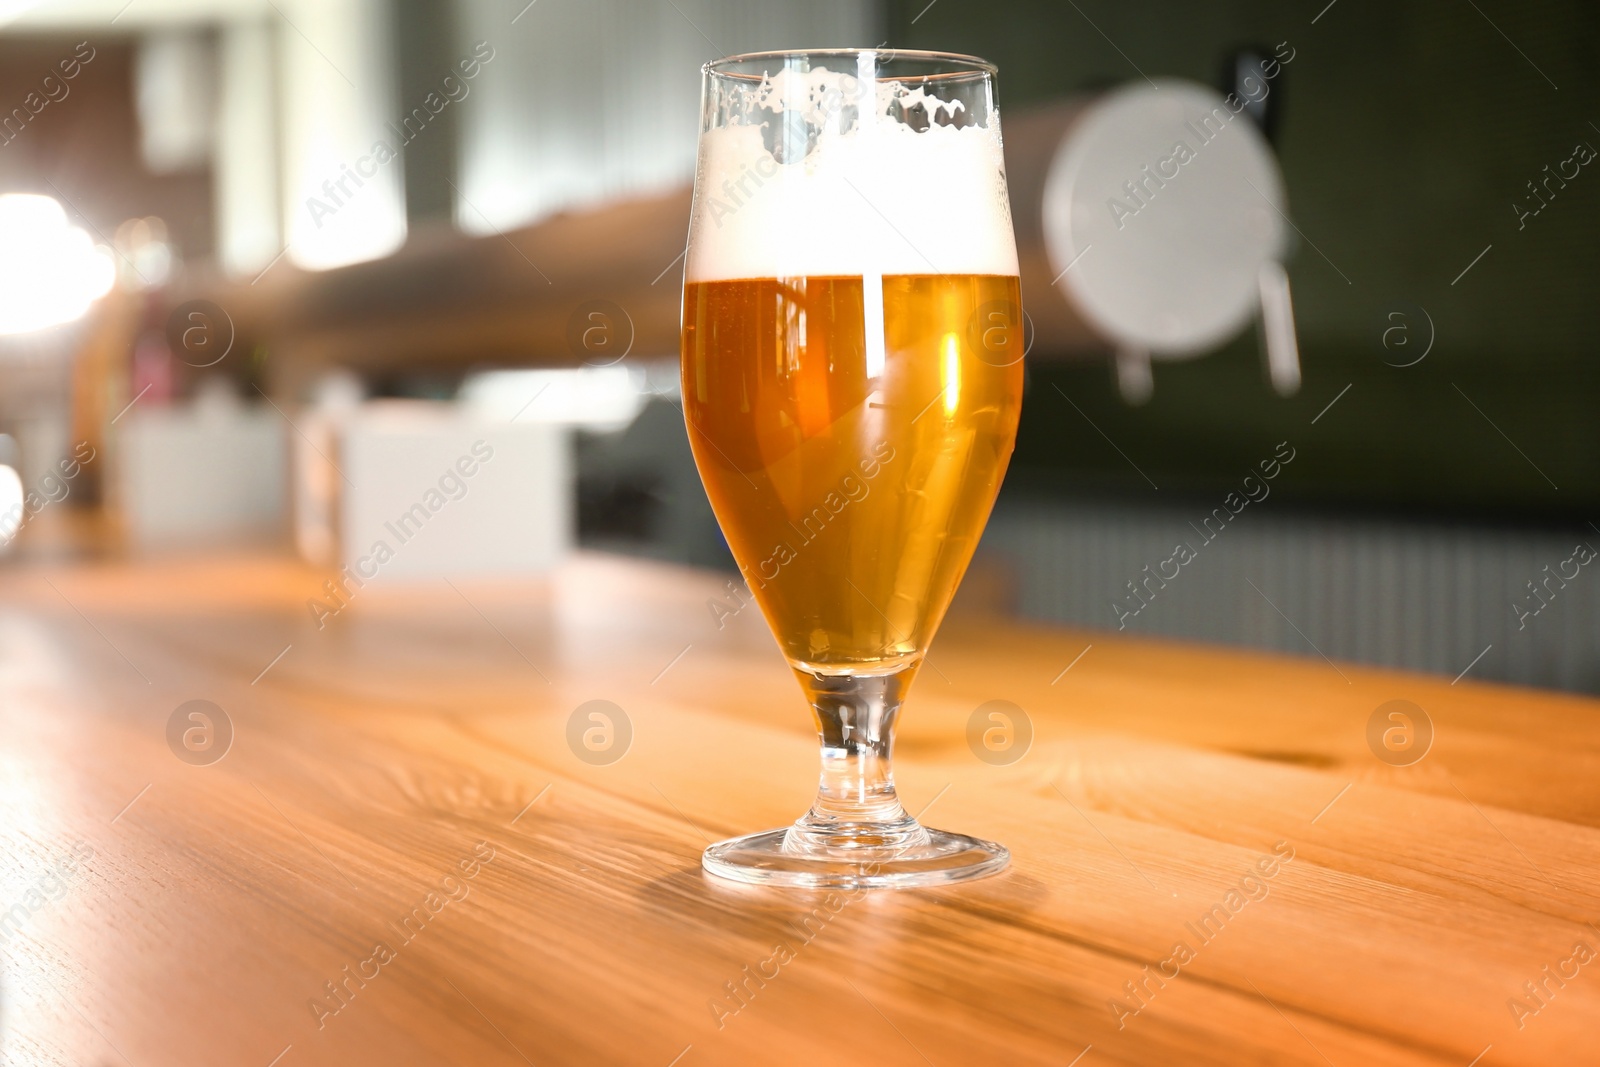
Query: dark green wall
x=1407 y=132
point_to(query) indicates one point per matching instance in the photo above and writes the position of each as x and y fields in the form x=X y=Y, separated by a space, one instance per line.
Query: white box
x=429 y=490
x=202 y=474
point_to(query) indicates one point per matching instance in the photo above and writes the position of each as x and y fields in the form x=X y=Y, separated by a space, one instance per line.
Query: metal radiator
x=1499 y=603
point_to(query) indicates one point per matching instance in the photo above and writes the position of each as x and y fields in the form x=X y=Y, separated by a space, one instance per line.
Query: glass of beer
x=852 y=376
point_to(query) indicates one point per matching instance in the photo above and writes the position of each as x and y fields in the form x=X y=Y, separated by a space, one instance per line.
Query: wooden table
x=400 y=802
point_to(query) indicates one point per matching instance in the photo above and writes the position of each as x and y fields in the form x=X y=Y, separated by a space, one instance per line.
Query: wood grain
x=374 y=756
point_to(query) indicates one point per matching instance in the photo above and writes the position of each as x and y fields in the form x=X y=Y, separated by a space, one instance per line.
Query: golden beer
x=852 y=483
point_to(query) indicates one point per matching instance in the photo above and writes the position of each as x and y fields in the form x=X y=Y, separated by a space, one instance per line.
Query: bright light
x=143 y=250
x=11 y=501
x=597 y=398
x=952 y=374
x=50 y=271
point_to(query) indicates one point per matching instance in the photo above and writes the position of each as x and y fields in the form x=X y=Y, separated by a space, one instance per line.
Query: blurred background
x=277 y=273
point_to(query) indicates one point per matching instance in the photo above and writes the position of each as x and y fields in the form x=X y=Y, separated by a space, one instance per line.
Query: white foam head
x=872 y=195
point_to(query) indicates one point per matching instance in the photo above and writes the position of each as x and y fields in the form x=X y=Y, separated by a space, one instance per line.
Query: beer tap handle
x=1134 y=379
x=1277 y=329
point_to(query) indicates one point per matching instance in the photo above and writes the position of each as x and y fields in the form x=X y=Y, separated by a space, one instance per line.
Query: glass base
x=795 y=857
x=857 y=834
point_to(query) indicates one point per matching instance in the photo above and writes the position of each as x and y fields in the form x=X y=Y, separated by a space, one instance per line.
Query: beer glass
x=851 y=382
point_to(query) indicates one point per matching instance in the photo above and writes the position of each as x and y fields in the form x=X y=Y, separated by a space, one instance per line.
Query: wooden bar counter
x=401 y=858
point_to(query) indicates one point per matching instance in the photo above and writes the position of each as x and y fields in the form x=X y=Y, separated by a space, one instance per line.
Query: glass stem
x=856 y=805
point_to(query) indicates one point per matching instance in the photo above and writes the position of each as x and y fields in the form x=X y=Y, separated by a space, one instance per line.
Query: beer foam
x=872 y=194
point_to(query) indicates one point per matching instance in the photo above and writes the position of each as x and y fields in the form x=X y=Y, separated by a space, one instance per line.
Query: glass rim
x=962 y=66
